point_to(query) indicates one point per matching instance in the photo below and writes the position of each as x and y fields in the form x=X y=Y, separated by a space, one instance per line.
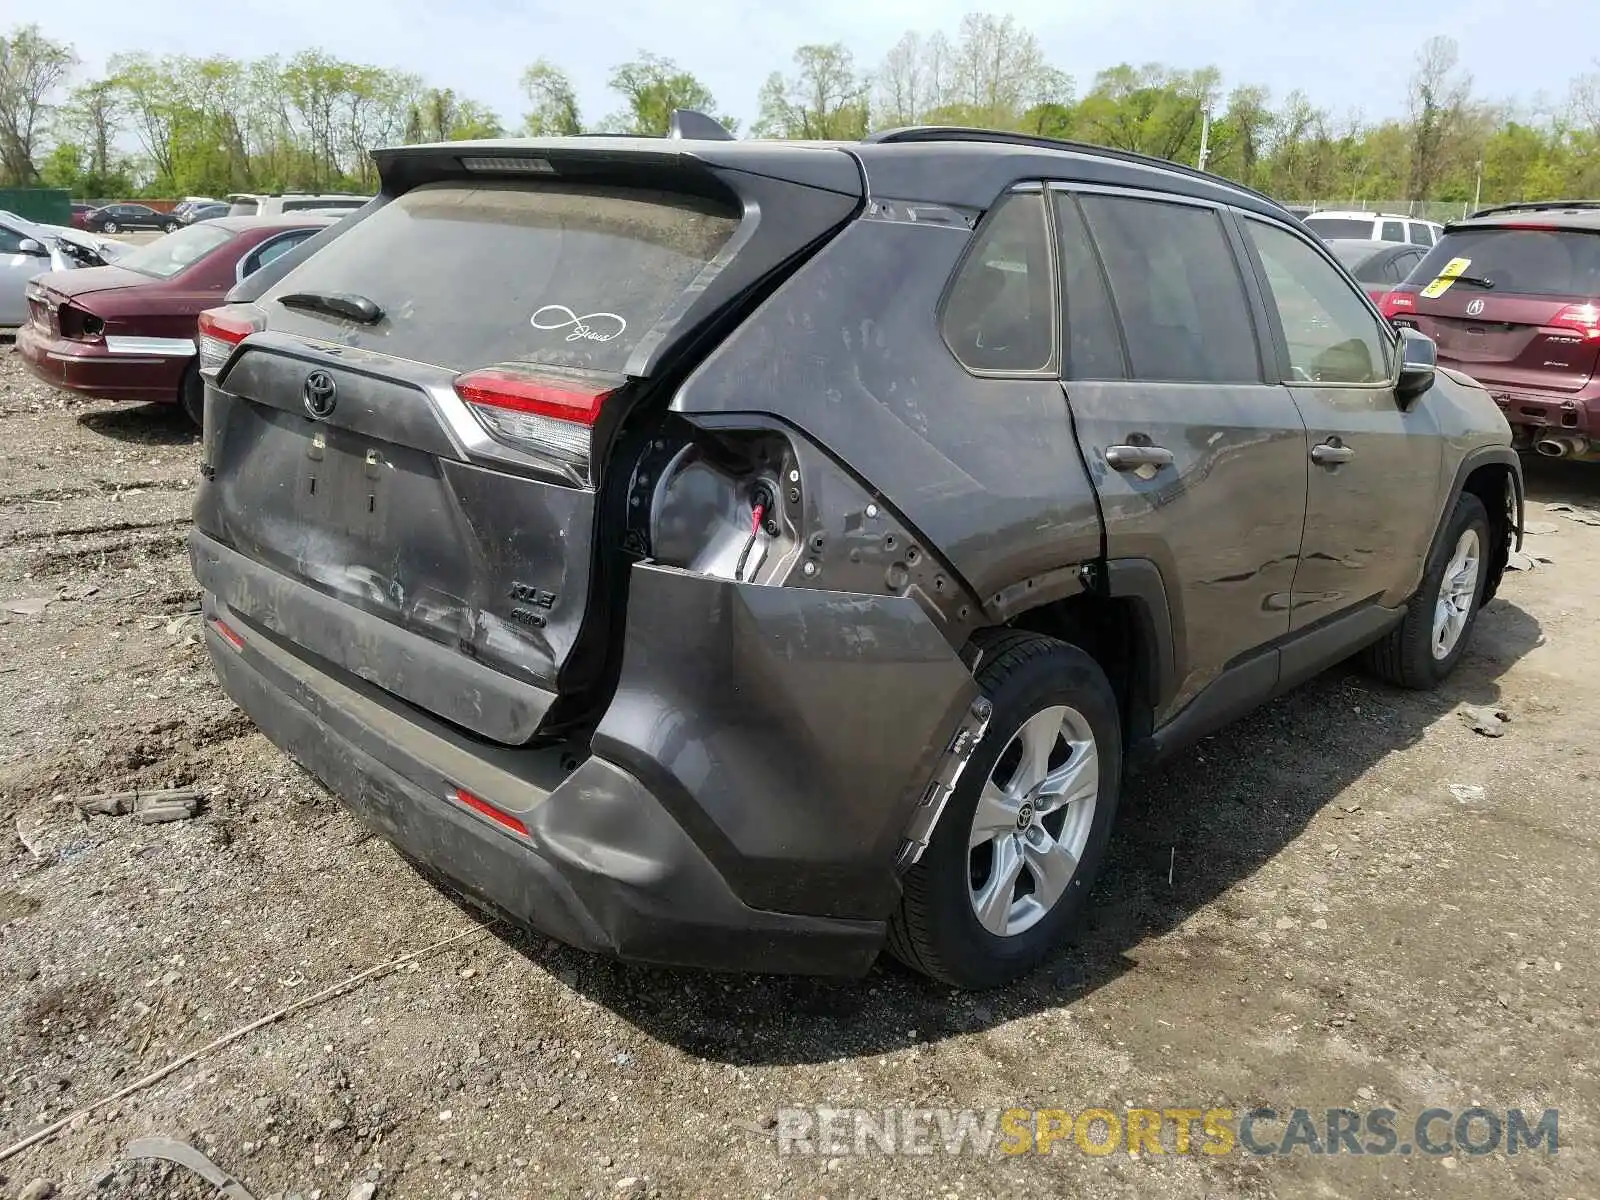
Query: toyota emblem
x=321 y=394
x=1475 y=308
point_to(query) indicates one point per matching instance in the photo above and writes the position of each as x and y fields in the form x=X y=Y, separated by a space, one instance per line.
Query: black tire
x=172 y=226
x=935 y=930
x=1405 y=655
x=192 y=396
x=108 y=227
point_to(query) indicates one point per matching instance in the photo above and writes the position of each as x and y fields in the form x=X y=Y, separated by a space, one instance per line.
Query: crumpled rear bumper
x=741 y=805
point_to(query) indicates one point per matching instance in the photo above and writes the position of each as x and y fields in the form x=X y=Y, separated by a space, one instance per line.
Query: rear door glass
x=1394 y=231
x=1092 y=342
x=1177 y=290
x=471 y=274
x=1528 y=262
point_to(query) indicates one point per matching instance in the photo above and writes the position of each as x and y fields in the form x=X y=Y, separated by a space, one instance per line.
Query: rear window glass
x=469 y=275
x=171 y=254
x=244 y=208
x=313 y=202
x=1339 y=227
x=1530 y=262
x=1363 y=261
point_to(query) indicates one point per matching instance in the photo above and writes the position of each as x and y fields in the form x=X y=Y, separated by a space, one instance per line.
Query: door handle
x=1331 y=453
x=1131 y=458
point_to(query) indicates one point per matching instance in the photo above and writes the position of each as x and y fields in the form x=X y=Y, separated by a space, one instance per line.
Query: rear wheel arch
x=1124 y=622
x=1499 y=485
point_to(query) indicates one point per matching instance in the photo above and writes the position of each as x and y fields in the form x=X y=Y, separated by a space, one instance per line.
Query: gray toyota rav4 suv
x=749 y=554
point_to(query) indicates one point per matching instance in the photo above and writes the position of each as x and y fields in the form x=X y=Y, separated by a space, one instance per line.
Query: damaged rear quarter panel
x=849 y=352
x=790 y=730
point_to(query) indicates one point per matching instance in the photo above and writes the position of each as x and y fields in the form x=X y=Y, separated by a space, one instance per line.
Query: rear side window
x=998 y=315
x=1530 y=262
x=262 y=255
x=1421 y=235
x=1394 y=231
x=1332 y=334
x=1177 y=290
x=1091 y=342
x=1340 y=227
x=471 y=274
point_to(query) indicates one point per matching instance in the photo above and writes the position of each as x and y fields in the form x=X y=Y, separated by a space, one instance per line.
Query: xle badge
x=531 y=604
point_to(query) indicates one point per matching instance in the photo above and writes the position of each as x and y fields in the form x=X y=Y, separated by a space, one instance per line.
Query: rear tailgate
x=1512 y=307
x=454 y=515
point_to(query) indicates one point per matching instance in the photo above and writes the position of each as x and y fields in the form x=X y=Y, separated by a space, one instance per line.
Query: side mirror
x=33 y=247
x=1419 y=359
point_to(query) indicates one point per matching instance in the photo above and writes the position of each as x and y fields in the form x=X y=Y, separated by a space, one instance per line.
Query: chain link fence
x=1428 y=210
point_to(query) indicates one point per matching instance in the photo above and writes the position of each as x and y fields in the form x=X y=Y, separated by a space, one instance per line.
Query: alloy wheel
x=1033 y=820
x=1458 y=591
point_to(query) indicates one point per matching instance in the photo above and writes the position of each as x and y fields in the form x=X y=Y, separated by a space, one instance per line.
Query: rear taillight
x=1394 y=303
x=542 y=412
x=1585 y=318
x=499 y=816
x=221 y=329
x=79 y=323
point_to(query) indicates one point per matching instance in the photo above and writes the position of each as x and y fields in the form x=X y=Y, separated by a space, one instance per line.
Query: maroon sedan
x=127 y=332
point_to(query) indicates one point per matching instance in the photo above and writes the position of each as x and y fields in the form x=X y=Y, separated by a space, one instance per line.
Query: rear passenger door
x=1199 y=461
x=1375 y=467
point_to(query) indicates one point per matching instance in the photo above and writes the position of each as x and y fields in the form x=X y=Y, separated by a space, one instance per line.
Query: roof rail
x=962 y=133
x=1533 y=206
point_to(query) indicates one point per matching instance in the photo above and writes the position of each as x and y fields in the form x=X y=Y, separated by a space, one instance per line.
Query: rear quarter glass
x=470 y=274
x=1526 y=262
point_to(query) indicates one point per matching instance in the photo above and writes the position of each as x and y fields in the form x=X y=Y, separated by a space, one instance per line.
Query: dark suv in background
x=1512 y=297
x=745 y=554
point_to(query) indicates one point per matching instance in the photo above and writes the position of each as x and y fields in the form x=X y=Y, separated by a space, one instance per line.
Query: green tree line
x=176 y=124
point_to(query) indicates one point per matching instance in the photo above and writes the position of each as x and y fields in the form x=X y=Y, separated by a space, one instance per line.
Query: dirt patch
x=1348 y=899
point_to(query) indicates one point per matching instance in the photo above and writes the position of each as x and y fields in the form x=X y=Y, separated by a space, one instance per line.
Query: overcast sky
x=1346 y=54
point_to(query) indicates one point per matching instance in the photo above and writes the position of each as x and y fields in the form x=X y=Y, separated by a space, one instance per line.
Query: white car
x=28 y=248
x=1330 y=225
x=253 y=204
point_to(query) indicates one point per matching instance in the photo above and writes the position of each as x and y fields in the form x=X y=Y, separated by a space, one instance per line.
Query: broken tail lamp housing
x=543 y=412
x=222 y=329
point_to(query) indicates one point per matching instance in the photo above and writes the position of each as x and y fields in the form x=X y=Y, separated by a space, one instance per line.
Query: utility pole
x=1477 y=195
x=1205 y=137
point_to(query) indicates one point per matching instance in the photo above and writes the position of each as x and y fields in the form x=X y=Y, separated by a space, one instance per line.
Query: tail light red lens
x=1394 y=303
x=543 y=412
x=1585 y=318
x=221 y=329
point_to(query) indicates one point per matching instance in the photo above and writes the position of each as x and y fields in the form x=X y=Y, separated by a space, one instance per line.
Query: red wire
x=755 y=518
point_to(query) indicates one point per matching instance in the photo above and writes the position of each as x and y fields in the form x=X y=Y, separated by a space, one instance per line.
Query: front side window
x=1333 y=336
x=1421 y=235
x=10 y=241
x=999 y=314
x=1394 y=231
x=1177 y=290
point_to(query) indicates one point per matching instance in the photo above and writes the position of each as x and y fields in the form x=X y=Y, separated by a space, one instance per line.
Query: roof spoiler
x=687 y=123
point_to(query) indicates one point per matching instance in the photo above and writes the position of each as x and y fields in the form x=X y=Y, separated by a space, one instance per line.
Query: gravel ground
x=1348 y=899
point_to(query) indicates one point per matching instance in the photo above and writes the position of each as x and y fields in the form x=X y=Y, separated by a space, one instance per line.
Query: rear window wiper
x=335 y=304
x=1475 y=281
